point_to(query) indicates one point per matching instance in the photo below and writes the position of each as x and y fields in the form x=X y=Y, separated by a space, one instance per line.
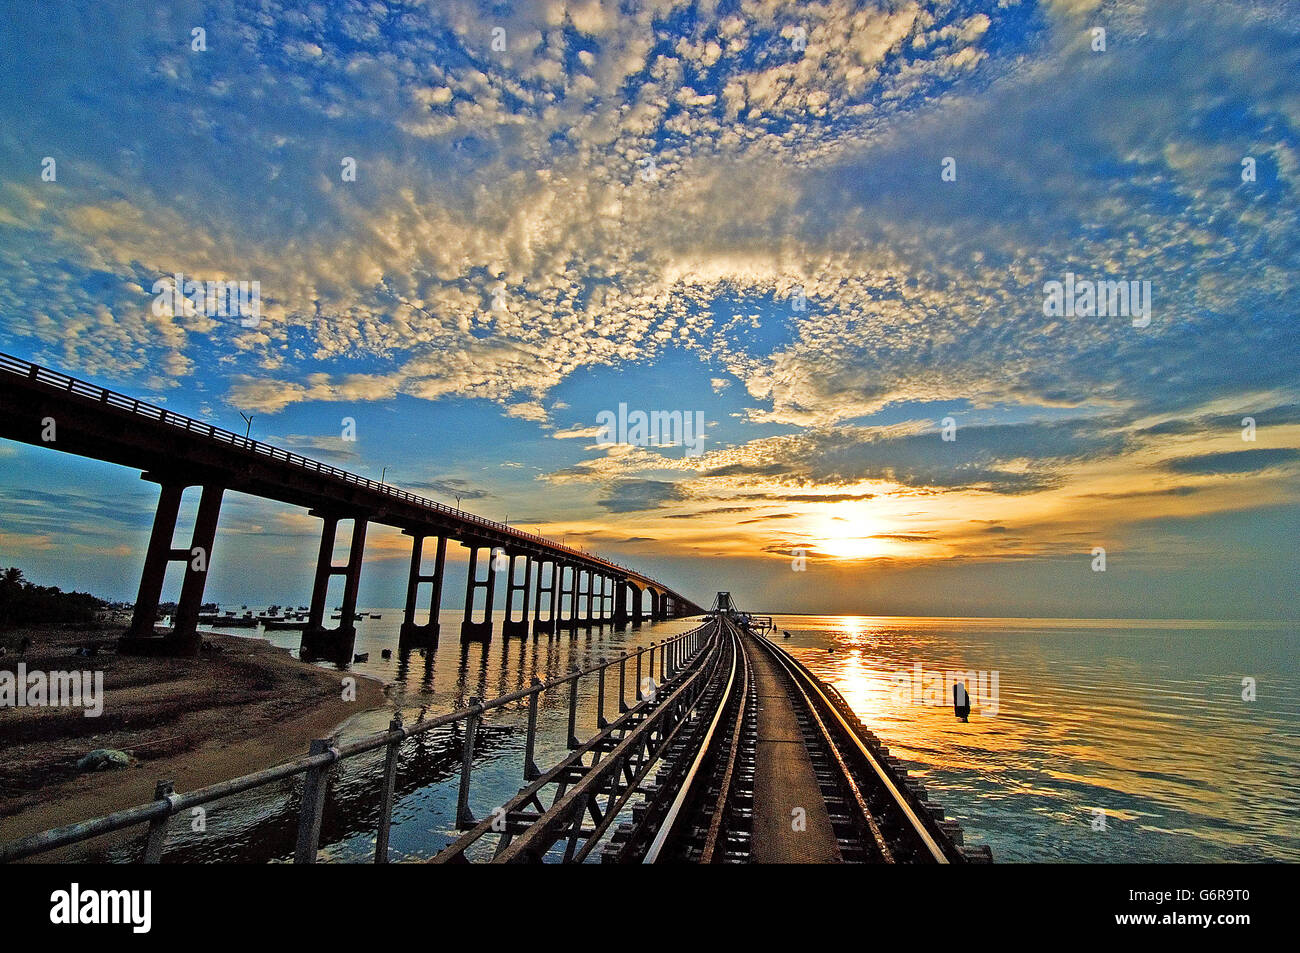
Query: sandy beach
x=245 y=706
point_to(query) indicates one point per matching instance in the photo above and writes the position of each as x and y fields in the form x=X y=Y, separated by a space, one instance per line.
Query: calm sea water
x=1141 y=720
x=1140 y=725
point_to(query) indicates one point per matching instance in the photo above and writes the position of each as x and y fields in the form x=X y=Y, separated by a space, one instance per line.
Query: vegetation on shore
x=24 y=603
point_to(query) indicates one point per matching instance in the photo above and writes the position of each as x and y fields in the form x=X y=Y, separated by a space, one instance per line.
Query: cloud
x=1233 y=462
x=629 y=496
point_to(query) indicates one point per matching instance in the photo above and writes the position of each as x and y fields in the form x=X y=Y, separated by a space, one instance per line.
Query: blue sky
x=560 y=207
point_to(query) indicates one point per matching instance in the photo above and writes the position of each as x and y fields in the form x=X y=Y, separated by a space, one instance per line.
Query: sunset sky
x=731 y=208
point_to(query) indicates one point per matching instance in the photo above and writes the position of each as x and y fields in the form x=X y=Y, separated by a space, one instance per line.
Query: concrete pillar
x=545 y=586
x=324 y=565
x=571 y=588
x=471 y=631
x=423 y=636
x=510 y=625
x=586 y=582
x=197 y=560
x=620 y=616
x=638 y=598
x=319 y=642
x=140 y=638
x=156 y=558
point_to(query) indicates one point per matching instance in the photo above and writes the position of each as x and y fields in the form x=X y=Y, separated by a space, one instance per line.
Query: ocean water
x=1109 y=740
x=1105 y=740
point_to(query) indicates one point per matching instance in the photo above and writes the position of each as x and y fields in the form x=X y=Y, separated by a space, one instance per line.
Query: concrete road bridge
x=549 y=586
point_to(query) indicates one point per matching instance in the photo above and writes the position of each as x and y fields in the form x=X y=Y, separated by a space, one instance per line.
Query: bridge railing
x=317 y=765
x=73 y=385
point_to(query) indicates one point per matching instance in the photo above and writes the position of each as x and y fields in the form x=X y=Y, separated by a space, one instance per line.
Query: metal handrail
x=159 y=811
x=73 y=385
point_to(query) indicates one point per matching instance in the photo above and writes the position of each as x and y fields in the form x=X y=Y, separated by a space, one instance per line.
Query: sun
x=849 y=535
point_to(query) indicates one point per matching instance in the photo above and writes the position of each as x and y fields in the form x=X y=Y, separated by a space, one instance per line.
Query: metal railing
x=317 y=765
x=93 y=392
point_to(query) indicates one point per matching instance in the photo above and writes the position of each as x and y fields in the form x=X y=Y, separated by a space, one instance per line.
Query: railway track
x=869 y=811
x=740 y=756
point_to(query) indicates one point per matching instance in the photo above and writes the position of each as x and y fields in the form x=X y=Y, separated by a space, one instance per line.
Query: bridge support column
x=319 y=642
x=620 y=616
x=140 y=638
x=471 y=631
x=570 y=588
x=185 y=624
x=638 y=598
x=586 y=583
x=510 y=625
x=412 y=634
x=547 y=588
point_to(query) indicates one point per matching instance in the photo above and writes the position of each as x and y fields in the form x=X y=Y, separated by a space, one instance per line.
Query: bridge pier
x=656 y=606
x=620 y=617
x=541 y=625
x=319 y=642
x=140 y=638
x=587 y=591
x=510 y=625
x=471 y=631
x=637 y=595
x=412 y=634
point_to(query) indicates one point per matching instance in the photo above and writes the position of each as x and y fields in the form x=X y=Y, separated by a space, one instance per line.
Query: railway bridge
x=550 y=587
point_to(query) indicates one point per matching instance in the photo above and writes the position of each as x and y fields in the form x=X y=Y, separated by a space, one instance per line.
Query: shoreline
x=246 y=706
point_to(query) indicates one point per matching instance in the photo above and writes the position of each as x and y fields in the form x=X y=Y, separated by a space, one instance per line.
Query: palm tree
x=11 y=578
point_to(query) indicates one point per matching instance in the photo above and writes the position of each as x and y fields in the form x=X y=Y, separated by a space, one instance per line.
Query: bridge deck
x=784 y=779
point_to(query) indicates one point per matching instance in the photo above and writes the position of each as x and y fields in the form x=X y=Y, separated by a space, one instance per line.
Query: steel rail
x=798 y=674
x=573 y=805
x=667 y=828
x=724 y=787
x=616 y=808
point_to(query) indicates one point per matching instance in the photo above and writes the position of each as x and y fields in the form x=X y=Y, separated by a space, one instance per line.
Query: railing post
x=313 y=806
x=464 y=818
x=640 y=695
x=622 y=683
x=601 y=723
x=663 y=655
x=531 y=773
x=390 y=785
x=573 y=710
x=158 y=826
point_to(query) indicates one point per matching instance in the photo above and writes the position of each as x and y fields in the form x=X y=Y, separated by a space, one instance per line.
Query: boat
x=284 y=623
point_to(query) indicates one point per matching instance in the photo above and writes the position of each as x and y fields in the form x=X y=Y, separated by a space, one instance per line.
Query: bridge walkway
x=784 y=778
